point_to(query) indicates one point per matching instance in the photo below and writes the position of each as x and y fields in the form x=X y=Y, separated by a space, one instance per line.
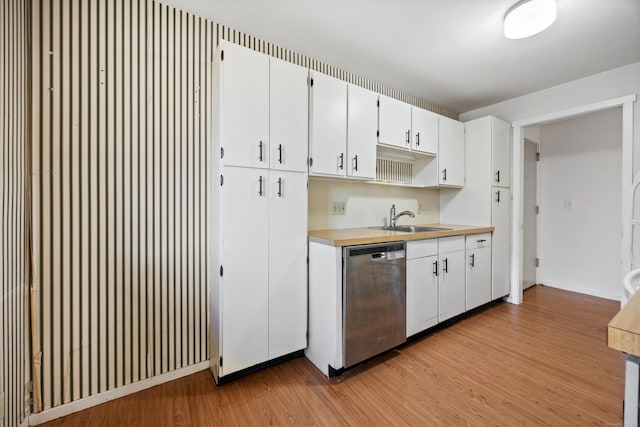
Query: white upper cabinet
x=501 y=152
x=450 y=152
x=424 y=131
x=289 y=116
x=362 y=123
x=244 y=92
x=394 y=122
x=328 y=136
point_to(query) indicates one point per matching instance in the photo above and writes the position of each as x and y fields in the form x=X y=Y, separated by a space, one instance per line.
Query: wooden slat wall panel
x=120 y=193
x=14 y=369
x=121 y=129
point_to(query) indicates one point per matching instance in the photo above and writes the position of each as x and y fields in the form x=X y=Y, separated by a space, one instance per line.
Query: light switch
x=569 y=204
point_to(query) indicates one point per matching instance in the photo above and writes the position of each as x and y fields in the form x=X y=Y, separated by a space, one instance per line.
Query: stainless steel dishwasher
x=374 y=300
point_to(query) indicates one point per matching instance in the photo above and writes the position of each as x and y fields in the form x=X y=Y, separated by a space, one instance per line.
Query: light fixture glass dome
x=529 y=17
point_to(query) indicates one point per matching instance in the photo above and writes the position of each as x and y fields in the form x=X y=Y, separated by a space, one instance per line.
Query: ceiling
x=450 y=52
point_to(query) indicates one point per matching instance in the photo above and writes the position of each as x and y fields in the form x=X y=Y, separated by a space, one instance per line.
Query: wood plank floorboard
x=542 y=363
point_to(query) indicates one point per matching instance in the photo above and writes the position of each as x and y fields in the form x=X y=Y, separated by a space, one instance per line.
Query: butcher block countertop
x=364 y=236
x=623 y=332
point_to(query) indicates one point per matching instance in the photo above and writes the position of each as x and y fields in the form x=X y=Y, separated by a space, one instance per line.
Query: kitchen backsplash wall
x=121 y=130
x=367 y=204
x=14 y=366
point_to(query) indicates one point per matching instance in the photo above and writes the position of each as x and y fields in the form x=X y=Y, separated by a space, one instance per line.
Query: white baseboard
x=87 y=402
x=586 y=291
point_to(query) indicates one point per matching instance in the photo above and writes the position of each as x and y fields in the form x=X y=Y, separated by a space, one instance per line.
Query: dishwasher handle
x=379 y=256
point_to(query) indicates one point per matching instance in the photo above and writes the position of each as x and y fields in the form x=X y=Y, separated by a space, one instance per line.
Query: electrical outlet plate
x=338 y=208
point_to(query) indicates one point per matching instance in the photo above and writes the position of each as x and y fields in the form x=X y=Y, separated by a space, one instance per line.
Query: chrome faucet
x=393 y=217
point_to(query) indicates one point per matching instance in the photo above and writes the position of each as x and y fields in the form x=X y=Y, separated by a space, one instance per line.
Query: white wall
x=610 y=84
x=579 y=247
x=368 y=204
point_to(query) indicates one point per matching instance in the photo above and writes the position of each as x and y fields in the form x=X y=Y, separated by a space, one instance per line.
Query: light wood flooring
x=543 y=363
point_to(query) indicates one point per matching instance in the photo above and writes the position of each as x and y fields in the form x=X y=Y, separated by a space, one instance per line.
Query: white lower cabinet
x=501 y=244
x=422 y=285
x=259 y=296
x=451 y=277
x=478 y=250
x=435 y=281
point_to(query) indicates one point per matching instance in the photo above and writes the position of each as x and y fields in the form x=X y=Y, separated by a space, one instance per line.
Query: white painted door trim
x=626 y=102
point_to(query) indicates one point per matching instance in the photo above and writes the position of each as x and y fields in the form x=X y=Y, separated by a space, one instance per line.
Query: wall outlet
x=569 y=204
x=338 y=208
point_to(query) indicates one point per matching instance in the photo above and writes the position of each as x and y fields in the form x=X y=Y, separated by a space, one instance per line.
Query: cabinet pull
x=472 y=257
x=498 y=196
x=355 y=163
x=418 y=139
x=341 y=165
x=444 y=174
x=445 y=265
x=408 y=136
x=435 y=268
x=280 y=153
x=260 y=184
x=497 y=176
x=279 y=187
x=260 y=155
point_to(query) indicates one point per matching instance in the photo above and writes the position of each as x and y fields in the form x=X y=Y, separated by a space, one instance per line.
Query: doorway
x=626 y=103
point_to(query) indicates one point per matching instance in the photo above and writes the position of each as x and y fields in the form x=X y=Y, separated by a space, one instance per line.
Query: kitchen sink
x=410 y=228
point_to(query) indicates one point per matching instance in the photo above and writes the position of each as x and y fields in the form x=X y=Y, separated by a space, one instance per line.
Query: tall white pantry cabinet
x=485 y=199
x=259 y=210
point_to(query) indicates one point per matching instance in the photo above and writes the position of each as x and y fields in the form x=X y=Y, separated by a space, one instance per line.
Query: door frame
x=537 y=197
x=626 y=102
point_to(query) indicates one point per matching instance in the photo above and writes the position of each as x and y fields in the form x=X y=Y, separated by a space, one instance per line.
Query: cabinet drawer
x=422 y=248
x=475 y=241
x=450 y=244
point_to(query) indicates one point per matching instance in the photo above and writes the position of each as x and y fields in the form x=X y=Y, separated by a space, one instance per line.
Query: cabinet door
x=328 y=141
x=394 y=122
x=244 y=259
x=245 y=107
x=501 y=241
x=287 y=262
x=450 y=152
x=501 y=153
x=422 y=294
x=478 y=277
x=424 y=129
x=362 y=123
x=451 y=285
x=289 y=116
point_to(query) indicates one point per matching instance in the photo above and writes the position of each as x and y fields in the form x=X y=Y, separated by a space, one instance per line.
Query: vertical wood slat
x=13 y=190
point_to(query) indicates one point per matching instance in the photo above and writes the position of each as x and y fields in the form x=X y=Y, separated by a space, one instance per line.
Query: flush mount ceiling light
x=529 y=17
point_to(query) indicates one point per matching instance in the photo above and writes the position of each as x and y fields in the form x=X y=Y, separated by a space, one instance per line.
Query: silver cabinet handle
x=498 y=176
x=280 y=153
x=355 y=163
x=279 y=187
x=260 y=155
x=445 y=265
x=260 y=192
x=418 y=139
x=444 y=174
x=472 y=257
x=498 y=196
x=435 y=268
x=341 y=165
x=408 y=136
